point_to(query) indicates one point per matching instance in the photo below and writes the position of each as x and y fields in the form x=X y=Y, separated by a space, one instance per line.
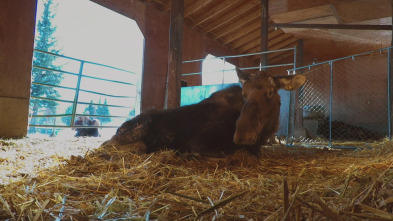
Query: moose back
x=233 y=118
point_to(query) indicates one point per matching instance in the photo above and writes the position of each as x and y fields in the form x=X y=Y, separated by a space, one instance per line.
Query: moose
x=233 y=118
x=85 y=131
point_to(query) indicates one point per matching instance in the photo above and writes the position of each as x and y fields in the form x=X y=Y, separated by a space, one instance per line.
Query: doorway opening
x=87 y=64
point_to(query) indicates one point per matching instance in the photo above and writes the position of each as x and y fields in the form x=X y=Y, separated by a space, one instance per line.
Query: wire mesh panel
x=344 y=102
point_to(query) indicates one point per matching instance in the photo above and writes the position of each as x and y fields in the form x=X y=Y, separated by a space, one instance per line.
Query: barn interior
x=73 y=180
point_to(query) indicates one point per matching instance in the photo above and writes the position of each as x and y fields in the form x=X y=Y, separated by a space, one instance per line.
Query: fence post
x=390 y=92
x=77 y=93
x=264 y=33
x=173 y=79
x=292 y=102
x=330 y=103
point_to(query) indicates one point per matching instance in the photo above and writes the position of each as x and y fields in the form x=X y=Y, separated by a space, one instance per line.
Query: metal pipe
x=62 y=126
x=331 y=26
x=241 y=55
x=77 y=93
x=69 y=115
x=249 y=68
x=80 y=60
x=338 y=59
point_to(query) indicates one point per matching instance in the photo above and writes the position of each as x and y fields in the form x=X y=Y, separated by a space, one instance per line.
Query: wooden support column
x=299 y=63
x=264 y=32
x=299 y=55
x=17 y=21
x=390 y=84
x=173 y=82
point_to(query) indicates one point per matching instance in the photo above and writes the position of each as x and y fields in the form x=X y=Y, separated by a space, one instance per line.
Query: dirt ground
x=73 y=179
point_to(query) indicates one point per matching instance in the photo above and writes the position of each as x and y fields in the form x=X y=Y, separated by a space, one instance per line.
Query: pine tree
x=67 y=120
x=91 y=109
x=45 y=41
x=132 y=113
x=104 y=111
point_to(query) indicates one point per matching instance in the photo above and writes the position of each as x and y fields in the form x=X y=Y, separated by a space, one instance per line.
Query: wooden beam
x=299 y=56
x=331 y=26
x=195 y=7
x=256 y=43
x=173 y=83
x=242 y=33
x=390 y=83
x=264 y=32
x=237 y=24
x=281 y=45
x=256 y=34
x=230 y=16
x=215 y=10
x=278 y=39
x=285 y=44
x=277 y=59
x=304 y=14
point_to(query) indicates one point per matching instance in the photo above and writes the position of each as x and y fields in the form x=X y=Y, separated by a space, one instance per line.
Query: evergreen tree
x=45 y=41
x=132 y=113
x=67 y=120
x=104 y=111
x=91 y=109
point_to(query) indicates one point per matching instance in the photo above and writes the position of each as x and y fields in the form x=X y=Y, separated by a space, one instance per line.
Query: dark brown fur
x=208 y=127
x=86 y=132
x=204 y=128
x=259 y=118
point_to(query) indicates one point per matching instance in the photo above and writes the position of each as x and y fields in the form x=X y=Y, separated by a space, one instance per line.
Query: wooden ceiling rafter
x=162 y=5
x=229 y=17
x=238 y=24
x=283 y=44
x=287 y=44
x=245 y=31
x=272 y=41
x=235 y=30
x=279 y=58
x=195 y=6
x=242 y=41
x=254 y=35
x=280 y=38
x=220 y=8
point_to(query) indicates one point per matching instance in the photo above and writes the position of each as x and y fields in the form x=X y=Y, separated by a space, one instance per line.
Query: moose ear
x=290 y=82
x=243 y=76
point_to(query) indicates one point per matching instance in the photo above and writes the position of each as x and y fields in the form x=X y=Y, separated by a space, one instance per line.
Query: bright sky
x=88 y=31
x=217 y=71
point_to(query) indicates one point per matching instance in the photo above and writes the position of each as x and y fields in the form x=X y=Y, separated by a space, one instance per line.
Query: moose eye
x=269 y=94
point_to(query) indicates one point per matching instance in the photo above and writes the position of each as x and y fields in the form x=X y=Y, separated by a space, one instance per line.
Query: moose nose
x=244 y=139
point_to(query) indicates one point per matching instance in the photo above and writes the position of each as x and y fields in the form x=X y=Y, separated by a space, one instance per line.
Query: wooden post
x=390 y=83
x=299 y=63
x=299 y=56
x=264 y=32
x=17 y=20
x=173 y=81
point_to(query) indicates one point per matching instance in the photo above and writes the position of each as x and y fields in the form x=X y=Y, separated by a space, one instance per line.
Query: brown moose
x=228 y=120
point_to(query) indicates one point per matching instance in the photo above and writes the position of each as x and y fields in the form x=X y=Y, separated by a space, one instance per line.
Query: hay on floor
x=48 y=179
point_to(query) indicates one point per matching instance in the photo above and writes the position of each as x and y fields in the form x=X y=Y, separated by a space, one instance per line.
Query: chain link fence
x=344 y=102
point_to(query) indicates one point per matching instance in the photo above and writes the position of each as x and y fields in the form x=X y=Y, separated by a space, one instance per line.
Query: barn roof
x=236 y=24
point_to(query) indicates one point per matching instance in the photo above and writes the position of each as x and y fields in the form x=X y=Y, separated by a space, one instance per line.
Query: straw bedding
x=51 y=179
